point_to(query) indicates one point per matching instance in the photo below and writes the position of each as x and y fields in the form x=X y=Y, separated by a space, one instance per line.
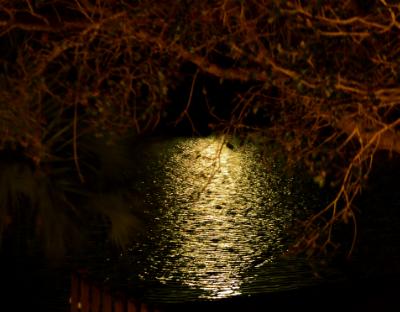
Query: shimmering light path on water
x=221 y=219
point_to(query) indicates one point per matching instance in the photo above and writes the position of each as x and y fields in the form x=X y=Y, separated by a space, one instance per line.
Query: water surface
x=221 y=217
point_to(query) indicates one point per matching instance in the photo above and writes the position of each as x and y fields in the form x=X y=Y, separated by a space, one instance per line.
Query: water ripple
x=220 y=221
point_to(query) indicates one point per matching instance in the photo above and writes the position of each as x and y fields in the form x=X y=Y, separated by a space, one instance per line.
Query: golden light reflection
x=217 y=231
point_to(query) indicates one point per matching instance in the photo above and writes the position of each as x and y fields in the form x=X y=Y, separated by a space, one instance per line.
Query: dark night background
x=77 y=103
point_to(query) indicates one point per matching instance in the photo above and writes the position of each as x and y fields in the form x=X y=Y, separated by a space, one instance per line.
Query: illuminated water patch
x=220 y=222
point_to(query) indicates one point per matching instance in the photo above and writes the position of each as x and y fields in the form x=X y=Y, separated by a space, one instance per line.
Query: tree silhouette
x=319 y=79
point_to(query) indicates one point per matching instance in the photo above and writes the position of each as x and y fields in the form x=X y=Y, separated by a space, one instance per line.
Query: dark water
x=218 y=227
x=220 y=223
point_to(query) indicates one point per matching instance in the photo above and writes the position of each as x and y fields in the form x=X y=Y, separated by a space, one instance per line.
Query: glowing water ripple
x=222 y=216
x=215 y=236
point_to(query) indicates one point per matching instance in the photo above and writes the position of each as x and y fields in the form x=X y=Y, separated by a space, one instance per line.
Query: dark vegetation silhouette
x=318 y=80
